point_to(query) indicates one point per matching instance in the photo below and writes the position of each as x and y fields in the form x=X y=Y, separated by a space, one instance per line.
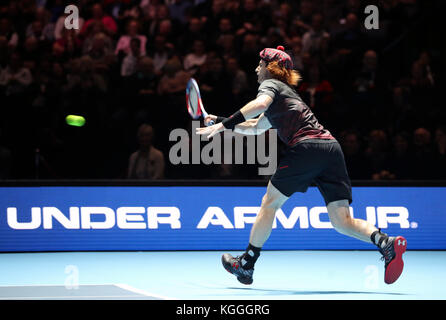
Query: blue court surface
x=198 y=275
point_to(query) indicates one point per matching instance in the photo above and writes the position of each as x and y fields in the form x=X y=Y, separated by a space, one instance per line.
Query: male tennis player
x=313 y=155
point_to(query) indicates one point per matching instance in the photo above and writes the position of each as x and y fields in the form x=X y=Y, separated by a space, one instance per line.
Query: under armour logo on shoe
x=235 y=265
x=403 y=242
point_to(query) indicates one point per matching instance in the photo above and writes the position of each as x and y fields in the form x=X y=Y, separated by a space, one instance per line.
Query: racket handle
x=211 y=122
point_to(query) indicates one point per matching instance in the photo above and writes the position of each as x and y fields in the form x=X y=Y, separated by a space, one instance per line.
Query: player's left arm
x=250 y=110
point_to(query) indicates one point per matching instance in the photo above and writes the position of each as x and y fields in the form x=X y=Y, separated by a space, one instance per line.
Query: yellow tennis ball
x=76 y=121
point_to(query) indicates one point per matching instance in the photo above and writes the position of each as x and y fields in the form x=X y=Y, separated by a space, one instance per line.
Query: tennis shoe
x=392 y=255
x=233 y=265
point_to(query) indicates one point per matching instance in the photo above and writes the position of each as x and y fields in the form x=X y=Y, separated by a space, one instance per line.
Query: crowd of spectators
x=125 y=70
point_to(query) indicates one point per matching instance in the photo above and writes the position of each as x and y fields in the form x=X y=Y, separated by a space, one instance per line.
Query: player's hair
x=291 y=77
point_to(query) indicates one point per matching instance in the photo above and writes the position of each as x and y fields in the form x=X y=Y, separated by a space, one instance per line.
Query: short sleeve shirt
x=289 y=115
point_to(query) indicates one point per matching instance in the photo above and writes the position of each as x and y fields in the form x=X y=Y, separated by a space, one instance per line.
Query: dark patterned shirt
x=289 y=115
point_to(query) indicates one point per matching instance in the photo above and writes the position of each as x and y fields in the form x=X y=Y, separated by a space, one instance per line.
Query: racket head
x=193 y=99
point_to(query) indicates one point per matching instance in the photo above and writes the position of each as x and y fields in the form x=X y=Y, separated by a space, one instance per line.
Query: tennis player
x=312 y=155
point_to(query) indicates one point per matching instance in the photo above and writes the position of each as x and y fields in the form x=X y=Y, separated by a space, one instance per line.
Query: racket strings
x=193 y=104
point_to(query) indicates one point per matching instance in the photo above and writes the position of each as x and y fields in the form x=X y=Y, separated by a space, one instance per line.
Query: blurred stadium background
x=378 y=91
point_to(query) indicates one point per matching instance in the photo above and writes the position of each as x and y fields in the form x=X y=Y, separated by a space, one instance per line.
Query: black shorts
x=314 y=161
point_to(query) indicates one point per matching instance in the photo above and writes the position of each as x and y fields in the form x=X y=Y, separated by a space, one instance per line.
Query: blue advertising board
x=117 y=218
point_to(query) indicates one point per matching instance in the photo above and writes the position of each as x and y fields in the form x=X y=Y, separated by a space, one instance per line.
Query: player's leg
x=271 y=202
x=342 y=221
x=243 y=266
x=335 y=186
x=392 y=248
x=296 y=171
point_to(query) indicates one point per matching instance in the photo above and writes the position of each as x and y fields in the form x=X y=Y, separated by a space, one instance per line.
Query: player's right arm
x=255 y=126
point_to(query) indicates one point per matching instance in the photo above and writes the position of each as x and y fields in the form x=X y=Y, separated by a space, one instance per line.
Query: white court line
x=54 y=285
x=119 y=285
x=70 y=297
x=142 y=292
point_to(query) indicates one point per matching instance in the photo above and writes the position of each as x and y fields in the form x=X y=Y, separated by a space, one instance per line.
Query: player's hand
x=211 y=130
x=210 y=118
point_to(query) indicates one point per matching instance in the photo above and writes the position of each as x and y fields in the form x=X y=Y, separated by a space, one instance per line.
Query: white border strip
x=119 y=285
x=142 y=292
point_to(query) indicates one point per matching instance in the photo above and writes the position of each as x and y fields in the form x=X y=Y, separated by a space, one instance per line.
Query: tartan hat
x=279 y=54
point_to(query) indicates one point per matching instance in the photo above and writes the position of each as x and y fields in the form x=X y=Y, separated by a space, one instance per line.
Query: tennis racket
x=193 y=101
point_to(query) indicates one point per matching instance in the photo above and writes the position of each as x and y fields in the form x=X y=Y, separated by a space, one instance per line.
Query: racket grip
x=211 y=122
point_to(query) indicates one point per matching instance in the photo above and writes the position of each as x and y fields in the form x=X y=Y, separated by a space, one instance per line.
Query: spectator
x=366 y=78
x=296 y=53
x=423 y=157
x=254 y=19
x=214 y=84
x=32 y=53
x=401 y=111
x=377 y=151
x=302 y=22
x=175 y=78
x=160 y=14
x=369 y=90
x=15 y=78
x=41 y=28
x=332 y=11
x=425 y=64
x=149 y=8
x=96 y=34
x=69 y=44
x=358 y=165
x=226 y=46
x=194 y=31
x=7 y=32
x=422 y=86
x=98 y=16
x=196 y=58
x=139 y=92
x=352 y=6
x=285 y=12
x=277 y=34
x=161 y=53
x=143 y=84
x=315 y=90
x=4 y=51
x=59 y=27
x=179 y=9
x=349 y=41
x=101 y=52
x=124 y=11
x=133 y=28
x=239 y=81
x=213 y=16
x=166 y=30
x=148 y=162
x=315 y=40
x=400 y=162
x=130 y=62
x=83 y=77
x=224 y=28
x=249 y=56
